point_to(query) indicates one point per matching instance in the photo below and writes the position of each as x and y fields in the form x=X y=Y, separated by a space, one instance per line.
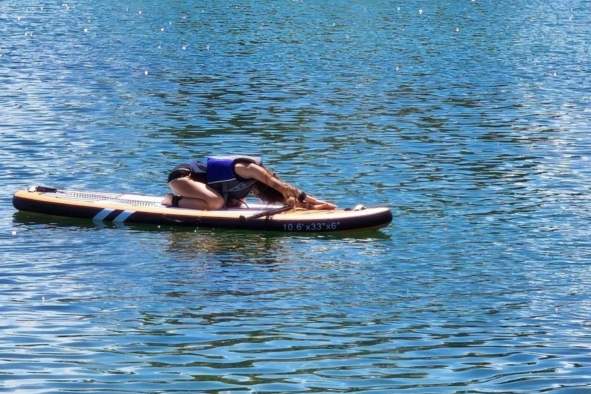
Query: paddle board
x=135 y=208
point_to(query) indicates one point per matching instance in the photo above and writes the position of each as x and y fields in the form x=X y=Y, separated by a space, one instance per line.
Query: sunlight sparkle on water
x=479 y=147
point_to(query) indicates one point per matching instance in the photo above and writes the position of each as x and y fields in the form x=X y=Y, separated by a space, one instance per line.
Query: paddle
x=267 y=213
x=273 y=211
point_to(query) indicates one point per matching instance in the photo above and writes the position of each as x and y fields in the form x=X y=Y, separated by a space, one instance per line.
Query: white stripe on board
x=102 y=214
x=122 y=216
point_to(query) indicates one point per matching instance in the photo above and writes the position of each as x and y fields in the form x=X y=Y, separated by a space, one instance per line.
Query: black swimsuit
x=196 y=170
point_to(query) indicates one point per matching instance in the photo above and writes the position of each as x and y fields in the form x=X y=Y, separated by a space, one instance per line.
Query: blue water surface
x=469 y=118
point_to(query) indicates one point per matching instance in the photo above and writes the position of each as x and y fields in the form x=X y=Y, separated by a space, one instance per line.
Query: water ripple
x=470 y=120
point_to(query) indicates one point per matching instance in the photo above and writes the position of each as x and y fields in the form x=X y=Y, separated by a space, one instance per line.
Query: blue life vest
x=222 y=178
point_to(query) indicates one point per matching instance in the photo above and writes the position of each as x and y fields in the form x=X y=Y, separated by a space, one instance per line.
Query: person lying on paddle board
x=224 y=181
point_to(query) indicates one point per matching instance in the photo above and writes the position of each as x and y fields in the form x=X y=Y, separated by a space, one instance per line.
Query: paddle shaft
x=269 y=212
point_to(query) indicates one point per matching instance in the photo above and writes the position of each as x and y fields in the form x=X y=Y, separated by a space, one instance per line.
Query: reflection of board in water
x=133 y=208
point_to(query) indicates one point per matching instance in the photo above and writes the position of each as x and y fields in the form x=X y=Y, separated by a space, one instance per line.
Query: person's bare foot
x=167 y=200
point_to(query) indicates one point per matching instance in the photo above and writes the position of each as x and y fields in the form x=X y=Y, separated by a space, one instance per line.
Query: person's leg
x=195 y=195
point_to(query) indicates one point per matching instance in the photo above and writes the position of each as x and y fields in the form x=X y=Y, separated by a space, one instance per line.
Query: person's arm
x=313 y=203
x=292 y=195
x=261 y=174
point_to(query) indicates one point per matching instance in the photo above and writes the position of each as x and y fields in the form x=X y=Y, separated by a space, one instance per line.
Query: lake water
x=470 y=119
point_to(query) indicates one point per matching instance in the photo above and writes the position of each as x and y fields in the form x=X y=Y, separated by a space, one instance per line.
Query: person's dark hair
x=267 y=194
